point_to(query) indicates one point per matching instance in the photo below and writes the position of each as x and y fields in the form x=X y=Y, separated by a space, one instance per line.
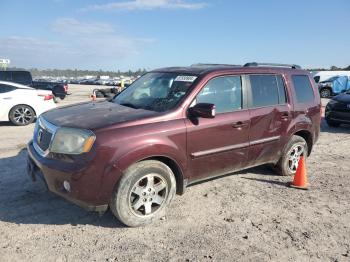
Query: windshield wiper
x=129 y=105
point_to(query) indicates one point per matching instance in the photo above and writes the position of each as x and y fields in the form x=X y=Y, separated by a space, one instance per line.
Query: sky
x=131 y=34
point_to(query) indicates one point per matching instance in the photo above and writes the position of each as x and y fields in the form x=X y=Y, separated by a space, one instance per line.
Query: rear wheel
x=325 y=93
x=22 y=115
x=143 y=193
x=289 y=161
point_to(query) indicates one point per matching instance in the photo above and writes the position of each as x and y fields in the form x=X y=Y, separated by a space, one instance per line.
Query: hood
x=93 y=115
x=343 y=97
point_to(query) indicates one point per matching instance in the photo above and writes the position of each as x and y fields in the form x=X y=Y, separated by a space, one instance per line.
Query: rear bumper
x=84 y=191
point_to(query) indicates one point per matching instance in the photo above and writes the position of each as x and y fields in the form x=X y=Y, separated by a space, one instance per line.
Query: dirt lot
x=249 y=216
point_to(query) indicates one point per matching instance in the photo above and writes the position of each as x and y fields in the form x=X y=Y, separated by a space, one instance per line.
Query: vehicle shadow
x=6 y=123
x=25 y=202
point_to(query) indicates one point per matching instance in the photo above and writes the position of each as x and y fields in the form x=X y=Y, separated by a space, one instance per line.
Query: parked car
x=172 y=128
x=338 y=110
x=106 y=92
x=59 y=90
x=334 y=86
x=21 y=104
x=322 y=76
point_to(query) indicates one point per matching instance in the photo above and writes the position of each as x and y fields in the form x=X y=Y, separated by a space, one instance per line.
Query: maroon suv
x=171 y=128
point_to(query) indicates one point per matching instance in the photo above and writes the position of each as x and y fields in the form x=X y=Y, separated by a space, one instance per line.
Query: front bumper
x=85 y=190
x=339 y=115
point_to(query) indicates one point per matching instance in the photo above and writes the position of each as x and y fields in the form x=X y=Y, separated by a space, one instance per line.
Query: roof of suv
x=201 y=69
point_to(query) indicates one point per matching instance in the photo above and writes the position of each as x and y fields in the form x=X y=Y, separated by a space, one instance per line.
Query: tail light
x=47 y=97
x=65 y=87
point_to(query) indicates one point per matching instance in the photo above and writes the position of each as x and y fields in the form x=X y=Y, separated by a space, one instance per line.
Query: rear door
x=219 y=145
x=271 y=114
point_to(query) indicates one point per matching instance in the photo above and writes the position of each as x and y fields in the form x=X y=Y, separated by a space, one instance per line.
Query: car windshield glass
x=158 y=92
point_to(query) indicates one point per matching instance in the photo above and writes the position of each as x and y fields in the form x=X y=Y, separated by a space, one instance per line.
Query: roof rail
x=203 y=64
x=252 y=64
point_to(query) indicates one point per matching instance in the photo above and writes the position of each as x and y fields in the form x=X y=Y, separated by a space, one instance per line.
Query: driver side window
x=224 y=92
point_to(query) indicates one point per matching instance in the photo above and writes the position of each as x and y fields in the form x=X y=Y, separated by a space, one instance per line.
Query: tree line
x=79 y=73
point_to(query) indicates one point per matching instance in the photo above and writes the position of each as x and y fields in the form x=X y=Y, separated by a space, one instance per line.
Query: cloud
x=147 y=5
x=78 y=45
x=72 y=26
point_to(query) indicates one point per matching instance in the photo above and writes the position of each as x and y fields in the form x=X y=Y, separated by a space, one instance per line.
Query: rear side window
x=303 y=89
x=22 y=77
x=6 y=88
x=264 y=90
x=5 y=76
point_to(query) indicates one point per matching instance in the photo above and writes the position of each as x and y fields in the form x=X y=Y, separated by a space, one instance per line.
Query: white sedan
x=22 y=104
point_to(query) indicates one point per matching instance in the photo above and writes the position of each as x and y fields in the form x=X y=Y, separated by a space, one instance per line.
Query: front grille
x=43 y=138
x=43 y=134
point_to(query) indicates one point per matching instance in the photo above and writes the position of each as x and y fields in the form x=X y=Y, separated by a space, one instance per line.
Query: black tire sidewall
x=283 y=164
x=12 y=112
x=119 y=203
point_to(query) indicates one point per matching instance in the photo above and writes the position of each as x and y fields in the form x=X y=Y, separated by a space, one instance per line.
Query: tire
x=287 y=165
x=135 y=202
x=99 y=94
x=22 y=115
x=325 y=93
x=332 y=123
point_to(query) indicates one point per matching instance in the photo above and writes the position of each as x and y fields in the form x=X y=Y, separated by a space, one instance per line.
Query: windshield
x=158 y=92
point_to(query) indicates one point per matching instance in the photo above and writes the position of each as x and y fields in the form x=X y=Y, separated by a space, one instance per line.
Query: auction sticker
x=185 y=78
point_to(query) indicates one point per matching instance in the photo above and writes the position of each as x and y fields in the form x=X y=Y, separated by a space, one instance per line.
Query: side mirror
x=204 y=110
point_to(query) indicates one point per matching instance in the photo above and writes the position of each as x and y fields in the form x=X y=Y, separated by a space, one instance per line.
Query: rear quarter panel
x=306 y=116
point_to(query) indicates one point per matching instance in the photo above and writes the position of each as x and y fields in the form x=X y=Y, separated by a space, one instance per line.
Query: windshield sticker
x=185 y=78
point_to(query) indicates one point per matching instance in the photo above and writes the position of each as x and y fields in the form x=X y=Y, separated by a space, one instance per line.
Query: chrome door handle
x=239 y=124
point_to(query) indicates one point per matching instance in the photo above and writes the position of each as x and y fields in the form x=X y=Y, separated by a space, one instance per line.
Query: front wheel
x=143 y=193
x=22 y=115
x=325 y=93
x=288 y=164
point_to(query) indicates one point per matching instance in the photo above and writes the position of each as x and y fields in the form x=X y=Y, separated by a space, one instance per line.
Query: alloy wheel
x=294 y=156
x=148 y=194
x=22 y=115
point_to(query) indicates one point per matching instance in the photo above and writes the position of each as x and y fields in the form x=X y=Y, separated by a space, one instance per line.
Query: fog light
x=66 y=186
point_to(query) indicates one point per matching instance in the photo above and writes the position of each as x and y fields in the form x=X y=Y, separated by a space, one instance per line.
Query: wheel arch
x=308 y=138
x=327 y=88
x=21 y=105
x=175 y=167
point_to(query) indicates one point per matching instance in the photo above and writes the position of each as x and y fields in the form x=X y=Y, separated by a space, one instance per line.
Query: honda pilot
x=172 y=128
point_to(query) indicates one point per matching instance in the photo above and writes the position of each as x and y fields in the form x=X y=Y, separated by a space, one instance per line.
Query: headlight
x=72 y=141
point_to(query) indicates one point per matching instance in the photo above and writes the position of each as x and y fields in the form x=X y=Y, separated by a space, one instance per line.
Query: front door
x=219 y=145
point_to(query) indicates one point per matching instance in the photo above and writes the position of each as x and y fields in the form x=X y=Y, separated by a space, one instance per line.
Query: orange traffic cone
x=300 y=178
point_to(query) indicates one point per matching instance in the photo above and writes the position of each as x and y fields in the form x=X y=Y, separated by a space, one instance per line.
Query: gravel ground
x=247 y=216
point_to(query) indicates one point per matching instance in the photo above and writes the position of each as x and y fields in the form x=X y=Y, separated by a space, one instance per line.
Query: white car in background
x=22 y=104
